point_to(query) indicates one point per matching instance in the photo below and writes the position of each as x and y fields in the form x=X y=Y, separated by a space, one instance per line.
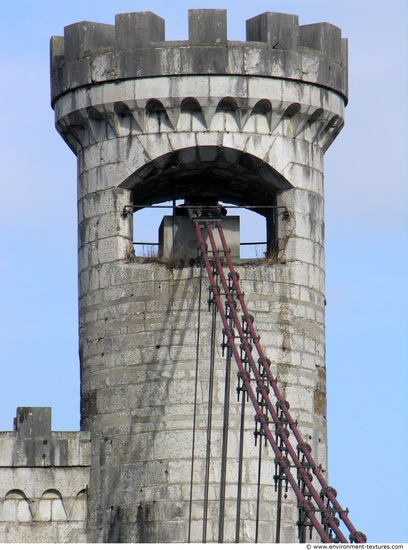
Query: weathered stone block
x=33 y=421
x=138 y=29
x=207 y=26
x=324 y=37
x=79 y=38
x=278 y=30
x=7 y=442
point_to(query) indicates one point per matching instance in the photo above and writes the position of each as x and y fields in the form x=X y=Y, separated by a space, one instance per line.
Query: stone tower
x=246 y=123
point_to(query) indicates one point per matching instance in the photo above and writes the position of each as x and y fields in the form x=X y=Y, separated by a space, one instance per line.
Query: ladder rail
x=303 y=474
x=261 y=418
x=328 y=491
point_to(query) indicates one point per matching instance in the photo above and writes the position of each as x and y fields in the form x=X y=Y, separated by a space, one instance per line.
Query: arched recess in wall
x=291 y=119
x=51 y=507
x=78 y=512
x=227 y=174
x=191 y=117
x=226 y=117
x=259 y=121
x=156 y=118
x=16 y=507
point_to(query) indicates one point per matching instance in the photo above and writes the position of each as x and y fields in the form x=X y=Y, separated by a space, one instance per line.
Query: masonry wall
x=142 y=468
x=138 y=322
x=151 y=120
x=44 y=479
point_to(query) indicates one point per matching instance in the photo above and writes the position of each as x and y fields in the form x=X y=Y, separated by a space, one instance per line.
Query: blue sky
x=366 y=245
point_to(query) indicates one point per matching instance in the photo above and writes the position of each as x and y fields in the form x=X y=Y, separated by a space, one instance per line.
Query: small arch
x=79 y=128
x=263 y=106
x=226 y=117
x=191 y=118
x=227 y=104
x=126 y=118
x=94 y=114
x=157 y=120
x=121 y=109
x=16 y=507
x=290 y=120
x=292 y=110
x=69 y=137
x=329 y=132
x=313 y=124
x=333 y=122
x=154 y=106
x=259 y=120
x=79 y=508
x=315 y=116
x=190 y=104
x=99 y=125
x=51 y=507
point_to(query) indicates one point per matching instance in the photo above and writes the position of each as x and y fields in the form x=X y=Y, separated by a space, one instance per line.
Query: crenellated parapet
x=44 y=479
x=32 y=443
x=135 y=47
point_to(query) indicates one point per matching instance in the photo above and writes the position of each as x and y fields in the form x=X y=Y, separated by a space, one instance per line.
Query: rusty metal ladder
x=257 y=384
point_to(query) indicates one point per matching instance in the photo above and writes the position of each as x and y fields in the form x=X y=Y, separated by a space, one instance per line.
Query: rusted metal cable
x=200 y=285
x=240 y=467
x=310 y=511
x=302 y=446
x=258 y=491
x=224 y=446
x=305 y=504
x=209 y=421
x=302 y=473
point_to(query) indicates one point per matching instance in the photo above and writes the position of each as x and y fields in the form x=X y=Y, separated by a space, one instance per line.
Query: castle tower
x=203 y=120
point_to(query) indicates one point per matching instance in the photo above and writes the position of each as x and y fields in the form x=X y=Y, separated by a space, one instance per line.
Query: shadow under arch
x=16 y=507
x=228 y=174
x=16 y=494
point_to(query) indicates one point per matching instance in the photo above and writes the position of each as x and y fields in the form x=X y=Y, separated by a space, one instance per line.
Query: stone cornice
x=260 y=106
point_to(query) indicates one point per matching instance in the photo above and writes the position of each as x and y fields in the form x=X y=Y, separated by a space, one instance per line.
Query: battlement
x=44 y=479
x=135 y=47
x=32 y=443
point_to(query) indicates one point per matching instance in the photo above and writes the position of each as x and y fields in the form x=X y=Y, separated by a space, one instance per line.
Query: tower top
x=135 y=47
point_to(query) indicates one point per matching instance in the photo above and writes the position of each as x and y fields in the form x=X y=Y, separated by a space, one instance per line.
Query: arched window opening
x=244 y=183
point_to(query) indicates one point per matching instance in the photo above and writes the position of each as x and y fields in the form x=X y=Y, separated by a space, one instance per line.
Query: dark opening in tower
x=244 y=184
x=165 y=231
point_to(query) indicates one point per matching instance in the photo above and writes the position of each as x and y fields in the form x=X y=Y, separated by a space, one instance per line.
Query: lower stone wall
x=138 y=334
x=44 y=478
x=19 y=526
